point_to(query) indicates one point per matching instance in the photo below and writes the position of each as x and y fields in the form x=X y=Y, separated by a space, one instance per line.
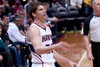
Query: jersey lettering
x=46 y=37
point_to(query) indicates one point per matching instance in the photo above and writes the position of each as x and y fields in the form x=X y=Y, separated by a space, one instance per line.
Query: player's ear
x=34 y=15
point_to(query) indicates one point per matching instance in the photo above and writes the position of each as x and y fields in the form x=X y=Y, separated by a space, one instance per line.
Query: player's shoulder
x=33 y=25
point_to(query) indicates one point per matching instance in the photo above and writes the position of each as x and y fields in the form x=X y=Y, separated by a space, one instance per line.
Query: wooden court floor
x=76 y=52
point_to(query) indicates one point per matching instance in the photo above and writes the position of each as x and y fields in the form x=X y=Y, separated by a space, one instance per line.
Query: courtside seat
x=62 y=12
x=53 y=12
x=78 y=19
x=74 y=13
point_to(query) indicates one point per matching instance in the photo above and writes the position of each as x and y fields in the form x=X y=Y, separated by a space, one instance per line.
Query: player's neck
x=40 y=23
x=40 y=20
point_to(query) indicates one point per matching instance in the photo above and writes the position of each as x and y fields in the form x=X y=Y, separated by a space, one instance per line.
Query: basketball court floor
x=76 y=52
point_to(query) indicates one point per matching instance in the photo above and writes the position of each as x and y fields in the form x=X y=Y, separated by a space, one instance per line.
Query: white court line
x=84 y=54
x=82 y=59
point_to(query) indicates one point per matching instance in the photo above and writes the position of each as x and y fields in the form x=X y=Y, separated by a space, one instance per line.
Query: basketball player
x=40 y=36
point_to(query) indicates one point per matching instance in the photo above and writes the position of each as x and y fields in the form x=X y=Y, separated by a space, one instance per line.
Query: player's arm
x=62 y=59
x=34 y=37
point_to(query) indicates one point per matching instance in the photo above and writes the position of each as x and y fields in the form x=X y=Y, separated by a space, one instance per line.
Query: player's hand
x=62 y=45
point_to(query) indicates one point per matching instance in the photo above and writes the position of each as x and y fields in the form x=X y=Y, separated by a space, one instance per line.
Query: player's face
x=41 y=13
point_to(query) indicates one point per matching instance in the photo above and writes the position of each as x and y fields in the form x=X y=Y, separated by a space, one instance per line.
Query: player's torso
x=46 y=40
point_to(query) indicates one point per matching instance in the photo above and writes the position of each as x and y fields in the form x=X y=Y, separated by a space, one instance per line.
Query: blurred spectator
x=22 y=14
x=22 y=30
x=1 y=2
x=62 y=2
x=87 y=7
x=6 y=20
x=17 y=38
x=17 y=7
x=4 y=35
x=5 y=52
x=11 y=2
x=77 y=3
x=67 y=3
x=3 y=47
x=28 y=22
x=55 y=4
x=2 y=11
x=5 y=38
x=13 y=27
x=26 y=6
x=8 y=9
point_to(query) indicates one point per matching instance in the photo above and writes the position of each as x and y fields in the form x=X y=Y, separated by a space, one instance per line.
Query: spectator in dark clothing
x=87 y=7
x=8 y=42
x=4 y=34
x=26 y=6
x=2 y=11
x=22 y=30
x=55 y=4
x=5 y=52
x=8 y=10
